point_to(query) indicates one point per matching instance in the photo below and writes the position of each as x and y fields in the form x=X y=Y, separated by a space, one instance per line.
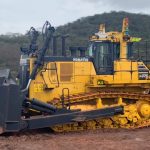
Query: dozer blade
x=10 y=108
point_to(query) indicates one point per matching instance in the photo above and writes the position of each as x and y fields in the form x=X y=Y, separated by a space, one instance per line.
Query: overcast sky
x=20 y=15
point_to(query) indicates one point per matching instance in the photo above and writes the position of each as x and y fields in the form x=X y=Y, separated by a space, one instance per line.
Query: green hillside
x=79 y=32
x=81 y=29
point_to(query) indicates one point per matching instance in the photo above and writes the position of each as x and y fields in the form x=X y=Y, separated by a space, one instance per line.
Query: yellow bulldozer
x=102 y=87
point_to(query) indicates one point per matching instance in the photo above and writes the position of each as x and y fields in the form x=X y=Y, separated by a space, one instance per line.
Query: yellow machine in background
x=107 y=77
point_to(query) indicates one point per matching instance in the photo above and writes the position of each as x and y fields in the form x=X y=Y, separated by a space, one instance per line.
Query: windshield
x=104 y=48
x=104 y=54
x=90 y=49
x=109 y=48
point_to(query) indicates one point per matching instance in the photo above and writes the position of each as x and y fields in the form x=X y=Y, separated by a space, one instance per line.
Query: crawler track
x=132 y=117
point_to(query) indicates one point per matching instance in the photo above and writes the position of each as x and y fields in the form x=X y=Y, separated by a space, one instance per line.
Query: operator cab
x=107 y=47
x=104 y=53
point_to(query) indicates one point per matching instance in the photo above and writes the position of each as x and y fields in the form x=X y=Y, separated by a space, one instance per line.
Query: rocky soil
x=104 y=139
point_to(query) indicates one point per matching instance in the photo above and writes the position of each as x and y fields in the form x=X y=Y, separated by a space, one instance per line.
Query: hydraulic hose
x=49 y=31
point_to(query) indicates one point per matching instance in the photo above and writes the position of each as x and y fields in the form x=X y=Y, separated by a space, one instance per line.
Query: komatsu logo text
x=81 y=59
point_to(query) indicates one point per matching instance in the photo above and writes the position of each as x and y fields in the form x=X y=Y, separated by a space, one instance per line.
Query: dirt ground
x=104 y=139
